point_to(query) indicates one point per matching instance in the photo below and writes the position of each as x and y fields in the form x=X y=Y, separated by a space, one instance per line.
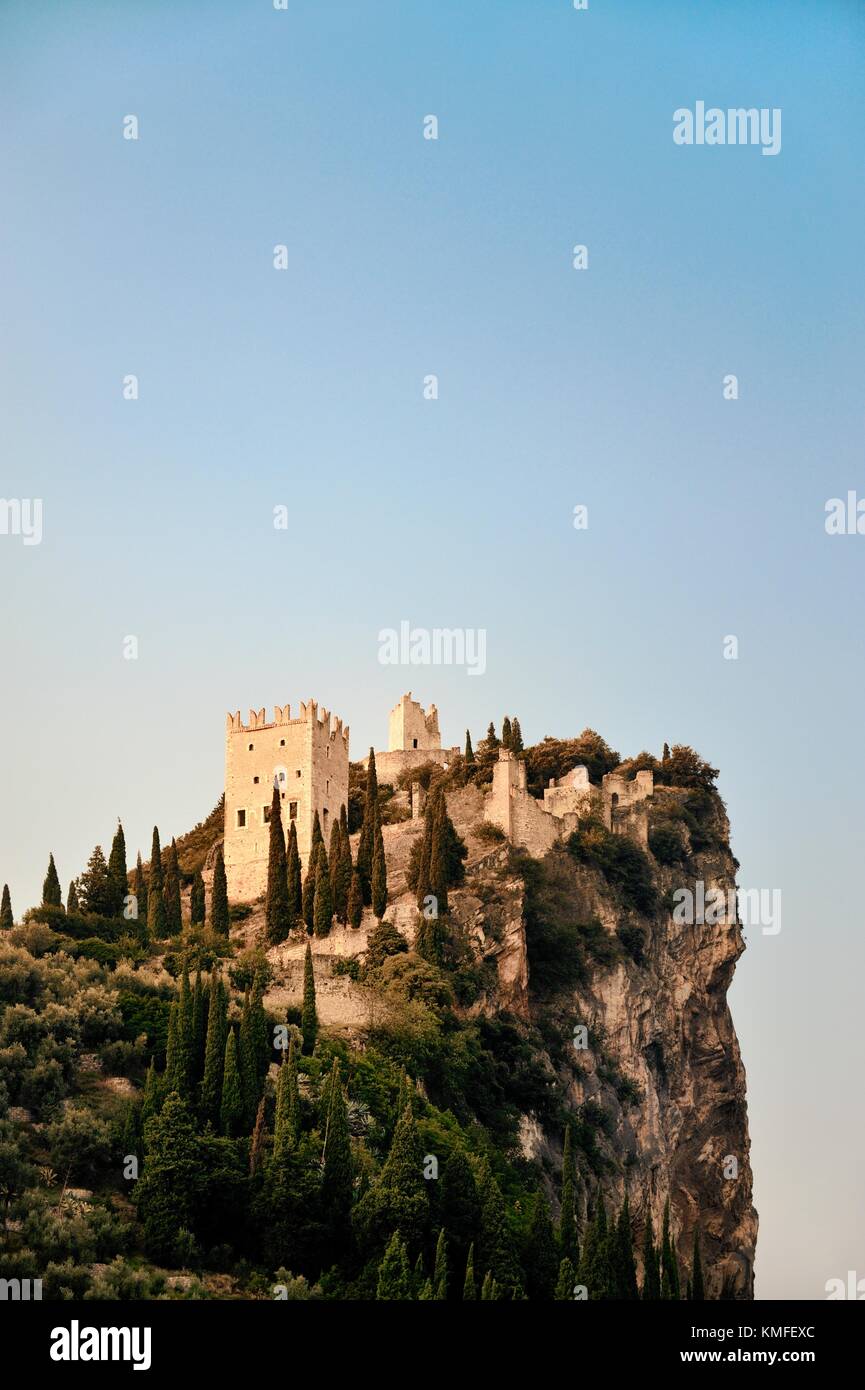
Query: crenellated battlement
x=309 y=713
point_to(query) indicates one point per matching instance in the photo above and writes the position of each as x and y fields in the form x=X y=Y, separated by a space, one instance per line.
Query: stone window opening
x=292 y=810
x=255 y=779
x=266 y=814
x=251 y=746
x=282 y=743
x=241 y=820
x=324 y=819
x=297 y=774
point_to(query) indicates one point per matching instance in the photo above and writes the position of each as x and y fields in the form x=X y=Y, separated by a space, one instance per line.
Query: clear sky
x=557 y=387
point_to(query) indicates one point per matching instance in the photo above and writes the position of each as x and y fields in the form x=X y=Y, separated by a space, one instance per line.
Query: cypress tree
x=344 y=871
x=156 y=916
x=6 y=918
x=287 y=1118
x=322 y=913
x=219 y=918
x=366 y=844
x=651 y=1279
x=231 y=1106
x=52 y=894
x=698 y=1293
x=309 y=890
x=139 y=889
x=317 y=837
x=568 y=1223
x=626 y=1269
x=117 y=870
x=491 y=739
x=185 y=1039
x=197 y=907
x=394 y=1275
x=438 y=874
x=459 y=1205
x=72 y=897
x=440 y=1272
x=334 y=856
x=355 y=901
x=172 y=1057
x=595 y=1270
x=470 y=752
x=169 y=1191
x=470 y=1292
x=506 y=732
x=398 y=1201
x=171 y=891
x=150 y=1099
x=541 y=1261
x=337 y=1176
x=199 y=1028
x=256 y=1145
x=262 y=1040
x=276 y=912
x=566 y=1281
x=246 y=1063
x=495 y=1247
x=293 y=876
x=669 y=1264
x=214 y=1052
x=379 y=877
x=516 y=736
x=489 y=1288
x=308 y=1017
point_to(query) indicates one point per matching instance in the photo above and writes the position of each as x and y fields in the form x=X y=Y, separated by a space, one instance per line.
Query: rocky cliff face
x=659 y=1088
x=660 y=1079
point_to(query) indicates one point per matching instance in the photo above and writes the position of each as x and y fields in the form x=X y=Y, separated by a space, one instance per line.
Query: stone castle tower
x=308 y=758
x=410 y=726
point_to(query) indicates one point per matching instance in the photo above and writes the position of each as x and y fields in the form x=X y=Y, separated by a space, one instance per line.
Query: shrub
x=623 y=864
x=666 y=845
x=487 y=831
x=79 y=1144
x=633 y=939
x=346 y=965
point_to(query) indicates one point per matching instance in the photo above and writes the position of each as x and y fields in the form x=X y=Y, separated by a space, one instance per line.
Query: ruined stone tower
x=308 y=758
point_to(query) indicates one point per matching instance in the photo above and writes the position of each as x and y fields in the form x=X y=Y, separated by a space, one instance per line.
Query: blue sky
x=556 y=388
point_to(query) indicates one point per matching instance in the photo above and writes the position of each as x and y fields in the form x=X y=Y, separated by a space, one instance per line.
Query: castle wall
x=309 y=758
x=389 y=765
x=536 y=826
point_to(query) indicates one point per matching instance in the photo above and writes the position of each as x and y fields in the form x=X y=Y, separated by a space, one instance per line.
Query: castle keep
x=413 y=739
x=307 y=757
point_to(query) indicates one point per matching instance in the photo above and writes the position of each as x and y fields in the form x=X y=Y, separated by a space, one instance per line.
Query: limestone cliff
x=658 y=1092
x=661 y=1080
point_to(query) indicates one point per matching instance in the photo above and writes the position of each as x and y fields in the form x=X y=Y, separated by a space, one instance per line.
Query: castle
x=307 y=759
